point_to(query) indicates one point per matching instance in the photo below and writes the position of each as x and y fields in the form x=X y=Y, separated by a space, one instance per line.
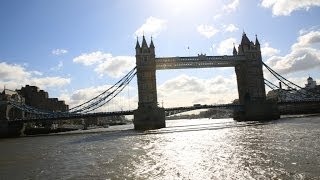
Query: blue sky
x=75 y=49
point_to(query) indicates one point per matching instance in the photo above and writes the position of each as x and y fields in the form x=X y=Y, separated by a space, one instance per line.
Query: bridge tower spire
x=148 y=115
x=234 y=50
x=250 y=82
x=257 y=44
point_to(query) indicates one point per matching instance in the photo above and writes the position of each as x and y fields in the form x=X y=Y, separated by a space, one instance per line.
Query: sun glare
x=181 y=6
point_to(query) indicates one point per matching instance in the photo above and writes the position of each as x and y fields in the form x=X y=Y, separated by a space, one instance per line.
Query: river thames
x=187 y=149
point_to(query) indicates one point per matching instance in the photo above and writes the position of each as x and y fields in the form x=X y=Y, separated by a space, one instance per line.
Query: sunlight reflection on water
x=186 y=149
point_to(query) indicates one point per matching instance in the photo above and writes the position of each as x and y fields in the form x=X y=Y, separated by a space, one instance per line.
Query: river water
x=187 y=149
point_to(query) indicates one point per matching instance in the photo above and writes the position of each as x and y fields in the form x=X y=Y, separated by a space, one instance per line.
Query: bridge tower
x=148 y=115
x=250 y=82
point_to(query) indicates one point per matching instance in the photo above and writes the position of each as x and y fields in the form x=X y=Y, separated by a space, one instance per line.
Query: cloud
x=304 y=55
x=14 y=76
x=226 y=46
x=286 y=7
x=231 y=6
x=120 y=102
x=58 y=52
x=230 y=28
x=267 y=51
x=58 y=67
x=36 y=73
x=50 y=81
x=207 y=30
x=205 y=91
x=217 y=16
x=106 y=64
x=115 y=66
x=153 y=26
x=13 y=72
x=88 y=59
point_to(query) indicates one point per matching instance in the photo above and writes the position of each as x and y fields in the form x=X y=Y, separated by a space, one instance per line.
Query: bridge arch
x=13 y=113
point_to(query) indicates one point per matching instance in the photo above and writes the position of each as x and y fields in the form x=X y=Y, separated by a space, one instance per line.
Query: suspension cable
x=125 y=77
x=282 y=79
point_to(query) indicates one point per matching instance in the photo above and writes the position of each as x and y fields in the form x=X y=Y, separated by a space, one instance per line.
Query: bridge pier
x=258 y=111
x=10 y=130
x=149 y=118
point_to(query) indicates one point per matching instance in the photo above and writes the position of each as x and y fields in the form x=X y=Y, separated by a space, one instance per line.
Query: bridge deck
x=293 y=106
x=60 y=117
x=200 y=61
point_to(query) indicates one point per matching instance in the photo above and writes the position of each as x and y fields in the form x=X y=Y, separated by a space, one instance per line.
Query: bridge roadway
x=200 y=61
x=66 y=116
x=291 y=107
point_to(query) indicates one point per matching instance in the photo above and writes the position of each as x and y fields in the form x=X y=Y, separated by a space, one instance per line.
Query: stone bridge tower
x=148 y=115
x=250 y=82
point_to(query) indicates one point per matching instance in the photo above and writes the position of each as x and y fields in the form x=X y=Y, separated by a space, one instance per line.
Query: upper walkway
x=200 y=61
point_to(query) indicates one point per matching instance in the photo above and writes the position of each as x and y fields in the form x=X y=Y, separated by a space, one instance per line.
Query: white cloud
x=88 y=59
x=286 y=7
x=205 y=91
x=50 y=81
x=304 y=55
x=231 y=6
x=106 y=64
x=207 y=30
x=116 y=66
x=217 y=16
x=37 y=73
x=13 y=72
x=58 y=67
x=308 y=39
x=153 y=26
x=267 y=51
x=59 y=51
x=226 y=46
x=231 y=28
x=309 y=29
x=120 y=102
x=14 y=76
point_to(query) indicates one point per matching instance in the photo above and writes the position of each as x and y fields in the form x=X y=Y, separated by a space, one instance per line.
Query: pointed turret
x=257 y=41
x=245 y=44
x=234 y=50
x=245 y=40
x=257 y=44
x=137 y=44
x=151 y=48
x=138 y=48
x=144 y=42
x=151 y=43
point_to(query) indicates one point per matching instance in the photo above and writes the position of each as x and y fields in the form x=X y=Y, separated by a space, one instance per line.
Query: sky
x=76 y=49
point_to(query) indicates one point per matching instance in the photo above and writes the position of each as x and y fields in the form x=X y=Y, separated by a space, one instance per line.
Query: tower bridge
x=246 y=60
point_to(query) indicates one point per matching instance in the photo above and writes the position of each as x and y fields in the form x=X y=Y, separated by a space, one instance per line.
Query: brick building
x=40 y=99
